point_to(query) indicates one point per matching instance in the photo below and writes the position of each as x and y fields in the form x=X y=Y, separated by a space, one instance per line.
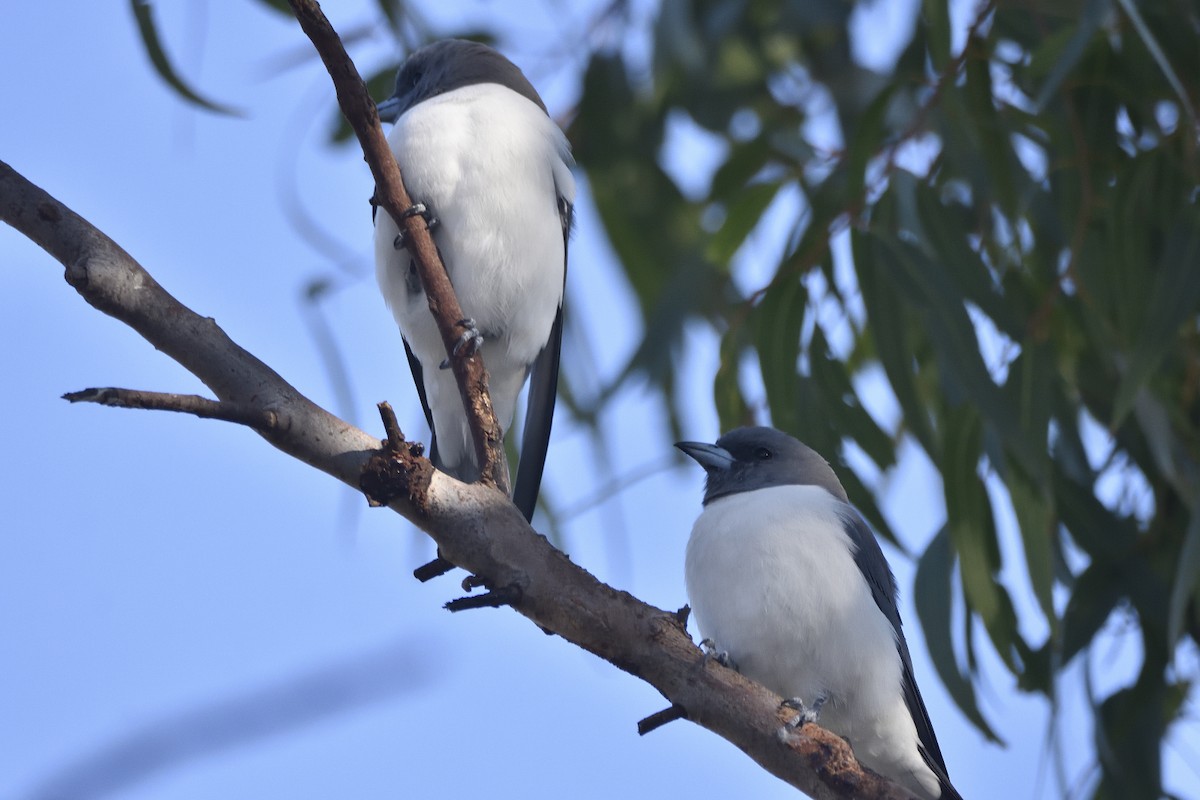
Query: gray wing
x=874 y=567
x=543 y=391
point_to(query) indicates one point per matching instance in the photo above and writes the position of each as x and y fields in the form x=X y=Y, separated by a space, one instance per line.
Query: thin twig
x=258 y=418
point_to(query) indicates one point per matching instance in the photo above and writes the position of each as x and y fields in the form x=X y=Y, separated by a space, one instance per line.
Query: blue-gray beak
x=706 y=455
x=389 y=110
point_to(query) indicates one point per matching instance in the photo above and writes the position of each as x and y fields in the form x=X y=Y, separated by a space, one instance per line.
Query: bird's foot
x=415 y=210
x=714 y=653
x=468 y=344
x=805 y=713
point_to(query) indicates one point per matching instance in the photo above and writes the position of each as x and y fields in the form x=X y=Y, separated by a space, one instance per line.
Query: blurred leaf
x=888 y=330
x=1175 y=298
x=927 y=285
x=746 y=160
x=1132 y=721
x=845 y=410
x=869 y=138
x=937 y=20
x=1094 y=597
x=1187 y=576
x=972 y=531
x=144 y=15
x=946 y=229
x=1063 y=50
x=931 y=595
x=741 y=217
x=732 y=409
x=778 y=319
x=1034 y=510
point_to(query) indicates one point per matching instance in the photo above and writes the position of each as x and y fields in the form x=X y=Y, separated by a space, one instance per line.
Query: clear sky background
x=206 y=617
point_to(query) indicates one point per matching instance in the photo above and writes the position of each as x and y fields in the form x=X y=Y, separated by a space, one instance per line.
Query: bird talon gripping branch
x=415 y=210
x=714 y=653
x=804 y=712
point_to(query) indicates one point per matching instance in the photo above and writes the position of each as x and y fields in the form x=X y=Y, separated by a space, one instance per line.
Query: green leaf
x=972 y=531
x=868 y=140
x=945 y=228
x=741 y=217
x=931 y=595
x=746 y=159
x=144 y=15
x=1034 y=509
x=778 y=319
x=1066 y=48
x=1093 y=598
x=937 y=20
x=844 y=408
x=1187 y=575
x=888 y=326
x=1175 y=299
x=732 y=408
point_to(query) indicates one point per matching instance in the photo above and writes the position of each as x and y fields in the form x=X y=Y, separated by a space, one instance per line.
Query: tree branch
x=359 y=110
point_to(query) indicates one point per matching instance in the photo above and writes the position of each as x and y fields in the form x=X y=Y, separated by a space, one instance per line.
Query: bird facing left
x=786 y=580
x=491 y=172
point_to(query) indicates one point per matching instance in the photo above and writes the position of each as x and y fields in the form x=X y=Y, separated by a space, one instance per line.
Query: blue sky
x=171 y=580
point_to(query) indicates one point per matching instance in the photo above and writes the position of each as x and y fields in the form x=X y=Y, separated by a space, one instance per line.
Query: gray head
x=448 y=65
x=746 y=459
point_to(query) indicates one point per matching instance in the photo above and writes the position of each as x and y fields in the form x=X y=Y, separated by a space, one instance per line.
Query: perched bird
x=491 y=172
x=786 y=579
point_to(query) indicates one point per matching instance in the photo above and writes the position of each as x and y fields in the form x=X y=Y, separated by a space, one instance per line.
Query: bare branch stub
x=260 y=419
x=392 y=471
x=359 y=110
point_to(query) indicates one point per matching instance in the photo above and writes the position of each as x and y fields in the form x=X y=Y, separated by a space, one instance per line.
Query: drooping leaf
x=889 y=330
x=1175 y=298
x=1063 y=51
x=741 y=217
x=931 y=595
x=1184 y=585
x=143 y=12
x=1094 y=597
x=778 y=320
x=1034 y=509
x=971 y=526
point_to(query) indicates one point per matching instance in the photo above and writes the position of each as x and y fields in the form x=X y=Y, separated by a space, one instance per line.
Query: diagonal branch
x=473 y=525
x=359 y=110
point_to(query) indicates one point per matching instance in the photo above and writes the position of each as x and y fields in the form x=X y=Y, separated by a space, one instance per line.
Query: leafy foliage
x=1004 y=224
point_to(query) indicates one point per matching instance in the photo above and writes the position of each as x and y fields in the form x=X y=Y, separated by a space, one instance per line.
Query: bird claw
x=805 y=713
x=713 y=653
x=468 y=343
x=415 y=210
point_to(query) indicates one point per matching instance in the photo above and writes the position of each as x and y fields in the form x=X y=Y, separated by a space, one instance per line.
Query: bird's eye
x=762 y=454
